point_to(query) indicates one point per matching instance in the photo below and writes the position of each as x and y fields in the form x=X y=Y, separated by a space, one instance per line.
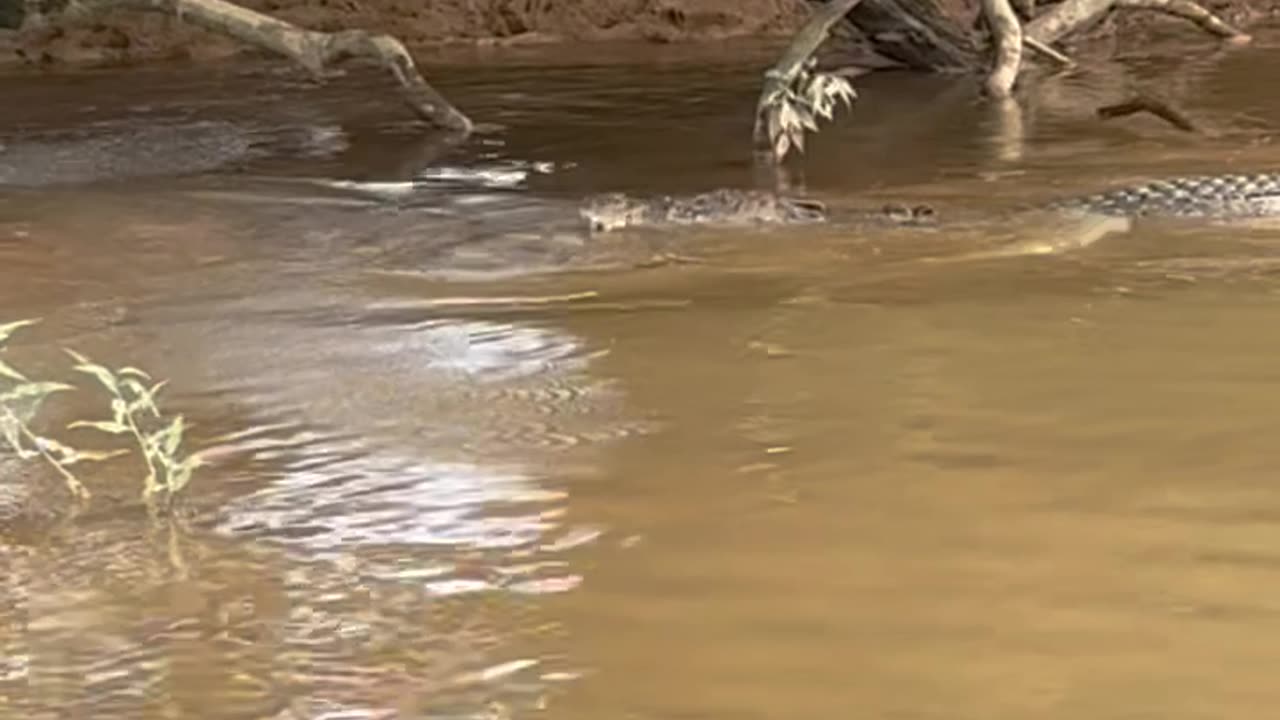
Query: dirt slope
x=133 y=37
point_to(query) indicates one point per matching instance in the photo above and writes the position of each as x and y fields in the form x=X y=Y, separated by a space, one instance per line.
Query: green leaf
x=775 y=123
x=9 y=328
x=34 y=390
x=7 y=370
x=134 y=372
x=182 y=475
x=179 y=479
x=132 y=385
x=782 y=145
x=151 y=396
x=173 y=436
x=12 y=434
x=806 y=119
x=144 y=398
x=841 y=89
x=66 y=454
x=103 y=375
x=119 y=410
x=99 y=455
x=787 y=117
x=106 y=426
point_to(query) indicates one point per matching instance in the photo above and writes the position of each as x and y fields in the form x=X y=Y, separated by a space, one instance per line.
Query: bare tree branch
x=784 y=72
x=1007 y=31
x=1026 y=9
x=310 y=49
x=1189 y=10
x=1047 y=51
x=1065 y=18
x=1153 y=105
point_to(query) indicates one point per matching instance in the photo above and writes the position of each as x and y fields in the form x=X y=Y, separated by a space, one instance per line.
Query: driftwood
x=918 y=35
x=1072 y=15
x=1188 y=10
x=1152 y=105
x=1007 y=31
x=314 y=51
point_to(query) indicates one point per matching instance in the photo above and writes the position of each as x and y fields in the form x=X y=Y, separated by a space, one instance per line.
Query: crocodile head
x=900 y=214
x=611 y=211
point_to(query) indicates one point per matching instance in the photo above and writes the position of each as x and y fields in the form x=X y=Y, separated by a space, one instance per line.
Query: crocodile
x=1091 y=217
x=1095 y=215
x=1205 y=196
x=614 y=211
x=1226 y=196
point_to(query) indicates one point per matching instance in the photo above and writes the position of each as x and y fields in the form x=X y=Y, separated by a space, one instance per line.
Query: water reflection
x=1039 y=487
x=337 y=573
x=263 y=634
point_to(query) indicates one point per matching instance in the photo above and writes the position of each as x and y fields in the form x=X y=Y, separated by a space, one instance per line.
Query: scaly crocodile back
x=1240 y=196
x=717 y=207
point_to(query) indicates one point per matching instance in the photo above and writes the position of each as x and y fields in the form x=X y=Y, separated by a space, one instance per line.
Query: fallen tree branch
x=1072 y=15
x=1006 y=29
x=919 y=34
x=1188 y=10
x=1066 y=17
x=1152 y=105
x=787 y=69
x=312 y=50
x=1047 y=51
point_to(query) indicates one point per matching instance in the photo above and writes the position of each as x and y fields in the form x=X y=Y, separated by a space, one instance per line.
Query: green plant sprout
x=795 y=107
x=133 y=413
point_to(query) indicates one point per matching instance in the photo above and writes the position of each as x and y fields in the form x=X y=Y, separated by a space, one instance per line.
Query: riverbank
x=442 y=29
x=429 y=28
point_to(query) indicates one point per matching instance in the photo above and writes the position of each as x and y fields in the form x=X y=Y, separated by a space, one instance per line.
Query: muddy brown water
x=461 y=472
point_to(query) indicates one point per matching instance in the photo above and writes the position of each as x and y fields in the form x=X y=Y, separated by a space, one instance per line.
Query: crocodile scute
x=1222 y=196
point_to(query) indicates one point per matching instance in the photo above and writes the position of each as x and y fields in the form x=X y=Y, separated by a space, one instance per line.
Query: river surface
x=464 y=466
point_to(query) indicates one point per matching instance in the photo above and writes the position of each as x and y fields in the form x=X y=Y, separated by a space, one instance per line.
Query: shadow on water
x=467 y=462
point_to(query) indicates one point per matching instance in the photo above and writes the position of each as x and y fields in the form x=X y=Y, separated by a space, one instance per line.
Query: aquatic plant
x=134 y=415
x=793 y=107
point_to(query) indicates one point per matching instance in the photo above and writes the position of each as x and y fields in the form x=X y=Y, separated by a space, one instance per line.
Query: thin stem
x=76 y=487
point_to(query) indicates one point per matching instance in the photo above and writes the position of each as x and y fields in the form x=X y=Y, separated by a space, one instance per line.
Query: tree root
x=920 y=45
x=314 y=51
x=1007 y=31
x=1066 y=17
x=1072 y=15
x=1189 y=10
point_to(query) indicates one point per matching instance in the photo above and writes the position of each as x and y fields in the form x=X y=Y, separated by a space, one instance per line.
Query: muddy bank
x=133 y=37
